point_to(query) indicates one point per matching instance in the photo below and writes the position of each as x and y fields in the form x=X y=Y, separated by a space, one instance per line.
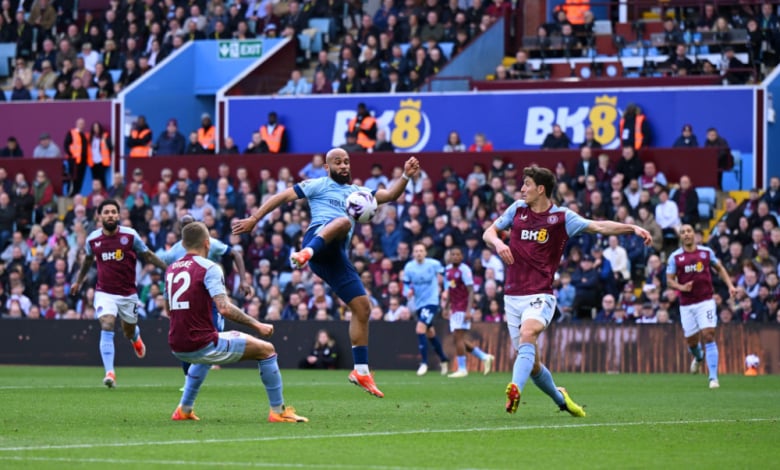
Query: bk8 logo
x=603 y=116
x=408 y=127
x=540 y=236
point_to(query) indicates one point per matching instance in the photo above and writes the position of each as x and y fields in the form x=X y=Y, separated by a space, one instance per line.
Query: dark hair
x=541 y=177
x=108 y=202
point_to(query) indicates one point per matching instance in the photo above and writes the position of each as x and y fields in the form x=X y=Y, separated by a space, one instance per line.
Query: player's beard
x=339 y=178
x=110 y=225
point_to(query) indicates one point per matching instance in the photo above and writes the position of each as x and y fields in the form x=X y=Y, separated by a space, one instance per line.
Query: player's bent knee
x=257 y=349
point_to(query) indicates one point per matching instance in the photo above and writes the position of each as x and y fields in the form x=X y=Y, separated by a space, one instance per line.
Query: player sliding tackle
x=540 y=230
x=326 y=244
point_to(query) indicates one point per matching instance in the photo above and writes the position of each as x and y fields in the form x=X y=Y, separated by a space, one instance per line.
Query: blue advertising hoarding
x=511 y=121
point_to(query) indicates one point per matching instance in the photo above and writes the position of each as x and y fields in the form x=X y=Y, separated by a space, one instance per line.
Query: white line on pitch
x=381 y=434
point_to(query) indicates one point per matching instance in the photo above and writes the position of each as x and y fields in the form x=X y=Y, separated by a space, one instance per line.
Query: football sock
x=136 y=334
x=524 y=362
x=360 y=359
x=461 y=362
x=479 y=353
x=195 y=377
x=316 y=244
x=544 y=381
x=272 y=379
x=437 y=347
x=712 y=359
x=185 y=367
x=697 y=352
x=107 y=349
x=422 y=345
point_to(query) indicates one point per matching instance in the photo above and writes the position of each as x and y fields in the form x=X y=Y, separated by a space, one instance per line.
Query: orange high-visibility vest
x=206 y=138
x=75 y=145
x=638 y=136
x=105 y=153
x=274 y=139
x=140 y=150
x=575 y=10
x=365 y=125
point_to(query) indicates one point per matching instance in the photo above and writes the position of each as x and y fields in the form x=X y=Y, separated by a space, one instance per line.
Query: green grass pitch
x=62 y=418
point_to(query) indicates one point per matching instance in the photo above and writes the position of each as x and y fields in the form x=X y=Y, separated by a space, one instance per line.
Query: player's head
x=185 y=220
x=195 y=238
x=537 y=182
x=456 y=255
x=109 y=214
x=419 y=252
x=687 y=235
x=337 y=164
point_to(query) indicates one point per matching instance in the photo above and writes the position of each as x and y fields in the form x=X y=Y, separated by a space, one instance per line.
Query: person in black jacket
x=630 y=166
x=687 y=201
x=687 y=138
x=323 y=355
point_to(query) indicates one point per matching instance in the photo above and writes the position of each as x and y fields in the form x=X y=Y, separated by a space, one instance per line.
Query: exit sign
x=239 y=49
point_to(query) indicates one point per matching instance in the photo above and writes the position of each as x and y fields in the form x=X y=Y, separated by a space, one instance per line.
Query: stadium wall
x=572 y=348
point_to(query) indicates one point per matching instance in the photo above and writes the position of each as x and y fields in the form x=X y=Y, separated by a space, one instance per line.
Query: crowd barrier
x=589 y=348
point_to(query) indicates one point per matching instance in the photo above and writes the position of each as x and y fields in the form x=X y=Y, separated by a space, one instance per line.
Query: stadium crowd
x=613 y=280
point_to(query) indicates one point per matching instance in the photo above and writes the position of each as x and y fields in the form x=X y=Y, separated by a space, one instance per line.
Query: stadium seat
x=707 y=201
x=7 y=95
x=404 y=48
x=115 y=74
x=446 y=49
x=7 y=53
x=34 y=94
x=92 y=92
x=705 y=211
x=327 y=29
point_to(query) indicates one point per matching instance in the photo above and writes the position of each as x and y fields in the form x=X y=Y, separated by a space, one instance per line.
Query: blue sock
x=422 y=345
x=461 y=362
x=697 y=352
x=479 y=353
x=185 y=366
x=360 y=359
x=136 y=333
x=544 y=381
x=107 y=349
x=195 y=377
x=524 y=362
x=712 y=359
x=316 y=244
x=272 y=379
x=437 y=347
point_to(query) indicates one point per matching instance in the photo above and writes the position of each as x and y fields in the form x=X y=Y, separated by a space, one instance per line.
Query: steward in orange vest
x=274 y=134
x=207 y=134
x=99 y=152
x=364 y=126
x=634 y=129
x=77 y=148
x=140 y=140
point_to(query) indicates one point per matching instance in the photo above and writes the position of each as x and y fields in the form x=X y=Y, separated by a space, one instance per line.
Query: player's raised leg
x=336 y=229
x=358 y=335
x=694 y=347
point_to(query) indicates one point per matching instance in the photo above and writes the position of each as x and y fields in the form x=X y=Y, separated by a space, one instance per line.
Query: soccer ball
x=752 y=361
x=361 y=206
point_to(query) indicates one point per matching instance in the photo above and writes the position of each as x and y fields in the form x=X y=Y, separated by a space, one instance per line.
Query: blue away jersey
x=423 y=278
x=217 y=250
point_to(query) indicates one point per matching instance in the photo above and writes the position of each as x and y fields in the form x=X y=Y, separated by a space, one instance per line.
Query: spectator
x=229 y=147
x=586 y=282
x=274 y=134
x=651 y=177
x=323 y=355
x=521 y=69
x=11 y=148
x=364 y=127
x=321 y=86
x=170 y=142
x=618 y=258
x=47 y=78
x=634 y=128
x=556 y=139
x=207 y=133
x=667 y=214
x=687 y=138
x=772 y=195
x=647 y=221
x=725 y=159
x=679 y=63
x=687 y=201
x=257 y=144
x=296 y=85
x=140 y=141
x=590 y=139
x=630 y=166
x=19 y=92
x=194 y=147
x=432 y=30
x=565 y=295
x=382 y=144
x=314 y=169
x=377 y=178
x=454 y=143
x=607 y=312
x=481 y=144
x=326 y=66
x=394 y=83
x=585 y=167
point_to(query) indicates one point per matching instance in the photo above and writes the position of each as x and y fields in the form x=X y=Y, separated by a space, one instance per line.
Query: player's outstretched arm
x=88 y=260
x=248 y=224
x=494 y=241
x=608 y=227
x=231 y=312
x=150 y=258
x=411 y=168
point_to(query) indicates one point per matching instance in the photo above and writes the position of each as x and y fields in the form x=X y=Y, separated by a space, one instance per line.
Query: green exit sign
x=239 y=49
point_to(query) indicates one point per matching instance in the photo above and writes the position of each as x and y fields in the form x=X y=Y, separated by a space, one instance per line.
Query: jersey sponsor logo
x=540 y=236
x=694 y=268
x=116 y=255
x=124 y=240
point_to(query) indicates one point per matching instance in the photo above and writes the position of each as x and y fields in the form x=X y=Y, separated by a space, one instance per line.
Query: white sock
x=362 y=369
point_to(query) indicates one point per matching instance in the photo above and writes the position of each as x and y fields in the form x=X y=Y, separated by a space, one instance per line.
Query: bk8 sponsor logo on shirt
x=539 y=236
x=694 y=268
x=117 y=255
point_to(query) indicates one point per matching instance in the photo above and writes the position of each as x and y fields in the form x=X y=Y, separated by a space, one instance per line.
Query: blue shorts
x=229 y=349
x=333 y=266
x=427 y=313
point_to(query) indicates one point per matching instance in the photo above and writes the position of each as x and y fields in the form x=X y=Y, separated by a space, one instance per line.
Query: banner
x=511 y=121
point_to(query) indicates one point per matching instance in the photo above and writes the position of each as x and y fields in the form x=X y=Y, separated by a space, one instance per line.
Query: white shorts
x=229 y=349
x=696 y=317
x=519 y=308
x=458 y=321
x=126 y=306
